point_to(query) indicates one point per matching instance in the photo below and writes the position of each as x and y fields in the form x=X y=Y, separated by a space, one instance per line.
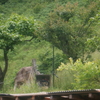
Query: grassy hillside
x=22 y=57
x=39 y=9
x=23 y=54
x=42 y=51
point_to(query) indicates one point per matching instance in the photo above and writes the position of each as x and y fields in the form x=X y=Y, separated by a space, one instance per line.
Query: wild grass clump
x=28 y=88
x=64 y=80
x=32 y=87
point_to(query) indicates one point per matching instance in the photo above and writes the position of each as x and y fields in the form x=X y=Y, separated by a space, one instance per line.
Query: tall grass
x=64 y=80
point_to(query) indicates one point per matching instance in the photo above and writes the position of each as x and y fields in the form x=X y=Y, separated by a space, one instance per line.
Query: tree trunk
x=1 y=78
x=3 y=72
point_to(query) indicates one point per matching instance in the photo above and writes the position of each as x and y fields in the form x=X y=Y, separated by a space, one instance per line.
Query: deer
x=26 y=75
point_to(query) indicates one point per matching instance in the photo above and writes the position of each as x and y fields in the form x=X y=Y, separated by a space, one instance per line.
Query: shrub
x=86 y=75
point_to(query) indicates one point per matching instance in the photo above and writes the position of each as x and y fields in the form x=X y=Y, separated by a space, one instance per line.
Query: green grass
x=22 y=57
x=64 y=80
x=23 y=54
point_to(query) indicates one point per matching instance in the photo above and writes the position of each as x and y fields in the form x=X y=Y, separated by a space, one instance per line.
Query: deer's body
x=25 y=75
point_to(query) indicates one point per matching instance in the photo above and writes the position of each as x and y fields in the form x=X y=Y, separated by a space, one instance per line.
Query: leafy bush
x=86 y=75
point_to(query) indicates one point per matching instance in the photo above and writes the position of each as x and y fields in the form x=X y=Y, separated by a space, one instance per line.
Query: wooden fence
x=60 y=95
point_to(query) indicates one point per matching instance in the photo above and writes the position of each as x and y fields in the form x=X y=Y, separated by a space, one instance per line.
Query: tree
x=15 y=30
x=94 y=42
x=47 y=61
x=68 y=28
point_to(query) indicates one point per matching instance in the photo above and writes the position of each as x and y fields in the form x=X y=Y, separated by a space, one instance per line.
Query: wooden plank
x=60 y=95
x=75 y=97
x=94 y=96
x=59 y=98
x=6 y=98
x=29 y=94
x=16 y=98
x=0 y=98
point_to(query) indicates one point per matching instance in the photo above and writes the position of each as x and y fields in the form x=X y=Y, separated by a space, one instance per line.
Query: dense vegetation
x=29 y=29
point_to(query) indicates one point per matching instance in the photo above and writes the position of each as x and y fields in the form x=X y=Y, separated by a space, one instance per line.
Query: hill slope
x=40 y=50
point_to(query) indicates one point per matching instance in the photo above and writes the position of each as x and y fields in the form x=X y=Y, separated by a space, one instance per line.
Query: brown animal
x=25 y=75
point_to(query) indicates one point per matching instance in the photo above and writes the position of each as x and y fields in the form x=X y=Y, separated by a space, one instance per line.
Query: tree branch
x=30 y=39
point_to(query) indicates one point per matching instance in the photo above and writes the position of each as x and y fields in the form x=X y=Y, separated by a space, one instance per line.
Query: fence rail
x=92 y=94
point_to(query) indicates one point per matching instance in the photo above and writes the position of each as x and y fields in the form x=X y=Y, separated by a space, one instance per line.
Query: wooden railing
x=60 y=95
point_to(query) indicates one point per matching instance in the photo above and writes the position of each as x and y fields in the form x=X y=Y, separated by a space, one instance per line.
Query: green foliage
x=72 y=19
x=3 y=1
x=47 y=60
x=22 y=56
x=68 y=28
x=96 y=18
x=15 y=30
x=86 y=75
x=37 y=8
x=94 y=42
x=64 y=80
